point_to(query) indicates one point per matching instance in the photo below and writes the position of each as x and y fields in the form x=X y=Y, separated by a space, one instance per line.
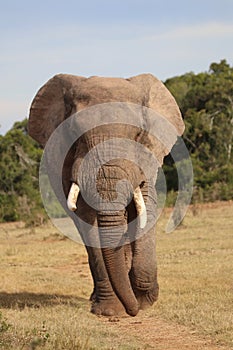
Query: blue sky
x=108 y=38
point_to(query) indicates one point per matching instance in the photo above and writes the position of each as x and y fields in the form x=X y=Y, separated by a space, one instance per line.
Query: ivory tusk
x=140 y=207
x=73 y=197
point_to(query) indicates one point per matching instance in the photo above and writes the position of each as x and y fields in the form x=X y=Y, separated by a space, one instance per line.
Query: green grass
x=46 y=283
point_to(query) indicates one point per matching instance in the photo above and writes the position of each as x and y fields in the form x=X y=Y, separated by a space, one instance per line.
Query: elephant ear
x=51 y=106
x=163 y=118
x=162 y=101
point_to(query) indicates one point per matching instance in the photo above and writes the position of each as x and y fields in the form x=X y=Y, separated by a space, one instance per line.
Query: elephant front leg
x=143 y=273
x=103 y=298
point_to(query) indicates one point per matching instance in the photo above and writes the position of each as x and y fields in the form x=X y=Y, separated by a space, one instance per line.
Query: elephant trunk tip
x=133 y=311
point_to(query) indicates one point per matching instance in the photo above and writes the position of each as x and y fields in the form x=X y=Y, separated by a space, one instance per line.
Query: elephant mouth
x=137 y=197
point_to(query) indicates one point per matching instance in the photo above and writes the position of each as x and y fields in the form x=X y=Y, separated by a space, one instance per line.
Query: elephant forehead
x=101 y=118
x=105 y=132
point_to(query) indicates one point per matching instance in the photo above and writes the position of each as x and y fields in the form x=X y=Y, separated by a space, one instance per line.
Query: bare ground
x=148 y=331
x=158 y=334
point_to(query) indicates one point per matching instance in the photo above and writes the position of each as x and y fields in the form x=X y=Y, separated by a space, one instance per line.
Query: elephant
x=123 y=265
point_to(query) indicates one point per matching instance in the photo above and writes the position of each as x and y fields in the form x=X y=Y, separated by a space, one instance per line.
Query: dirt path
x=158 y=334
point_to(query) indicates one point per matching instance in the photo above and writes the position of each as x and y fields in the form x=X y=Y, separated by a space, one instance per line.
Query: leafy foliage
x=19 y=163
x=206 y=102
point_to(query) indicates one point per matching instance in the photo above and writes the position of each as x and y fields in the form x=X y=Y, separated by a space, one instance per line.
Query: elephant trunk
x=111 y=227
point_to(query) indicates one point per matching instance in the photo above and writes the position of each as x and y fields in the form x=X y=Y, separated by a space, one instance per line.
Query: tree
x=206 y=102
x=19 y=164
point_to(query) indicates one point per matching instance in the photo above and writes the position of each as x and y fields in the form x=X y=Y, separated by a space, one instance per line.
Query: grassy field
x=45 y=287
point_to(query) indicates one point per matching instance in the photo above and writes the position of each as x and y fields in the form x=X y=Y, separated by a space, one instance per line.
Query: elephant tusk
x=73 y=197
x=140 y=207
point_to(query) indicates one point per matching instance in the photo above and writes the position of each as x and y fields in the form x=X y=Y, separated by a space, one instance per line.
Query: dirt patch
x=160 y=335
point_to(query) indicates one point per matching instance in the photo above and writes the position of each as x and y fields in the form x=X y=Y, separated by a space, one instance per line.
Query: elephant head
x=118 y=177
x=65 y=95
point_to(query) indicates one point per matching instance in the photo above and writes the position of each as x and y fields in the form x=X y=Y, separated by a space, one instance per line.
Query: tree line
x=206 y=103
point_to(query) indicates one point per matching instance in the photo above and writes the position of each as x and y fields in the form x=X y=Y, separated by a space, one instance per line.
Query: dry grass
x=196 y=272
x=45 y=286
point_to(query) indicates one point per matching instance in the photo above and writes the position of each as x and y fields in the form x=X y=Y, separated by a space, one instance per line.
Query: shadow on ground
x=33 y=300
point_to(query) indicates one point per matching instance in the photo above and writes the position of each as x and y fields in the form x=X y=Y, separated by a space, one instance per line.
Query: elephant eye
x=142 y=184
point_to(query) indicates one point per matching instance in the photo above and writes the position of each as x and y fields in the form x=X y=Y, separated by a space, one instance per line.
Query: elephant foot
x=93 y=296
x=111 y=307
x=147 y=298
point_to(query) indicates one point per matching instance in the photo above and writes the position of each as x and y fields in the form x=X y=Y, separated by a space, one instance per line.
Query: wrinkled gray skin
x=125 y=277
